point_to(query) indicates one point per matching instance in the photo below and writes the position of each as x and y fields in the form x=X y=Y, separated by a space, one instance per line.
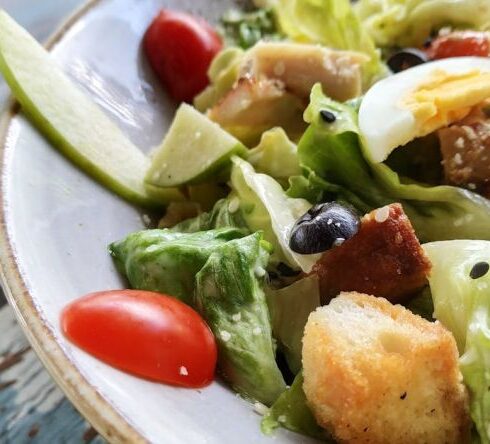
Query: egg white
x=383 y=123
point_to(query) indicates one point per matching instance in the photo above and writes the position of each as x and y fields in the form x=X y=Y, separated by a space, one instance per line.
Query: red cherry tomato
x=144 y=333
x=460 y=44
x=180 y=49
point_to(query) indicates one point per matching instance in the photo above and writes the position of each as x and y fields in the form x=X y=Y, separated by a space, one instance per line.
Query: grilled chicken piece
x=384 y=258
x=465 y=148
x=300 y=66
x=254 y=106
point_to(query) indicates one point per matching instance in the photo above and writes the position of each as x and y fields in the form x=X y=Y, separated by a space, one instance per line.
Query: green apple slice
x=193 y=149
x=68 y=118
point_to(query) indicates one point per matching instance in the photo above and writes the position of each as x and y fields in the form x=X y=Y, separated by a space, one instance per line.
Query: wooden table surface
x=32 y=408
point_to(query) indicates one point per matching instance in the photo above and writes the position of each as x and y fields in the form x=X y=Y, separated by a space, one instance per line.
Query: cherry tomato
x=460 y=44
x=144 y=333
x=180 y=49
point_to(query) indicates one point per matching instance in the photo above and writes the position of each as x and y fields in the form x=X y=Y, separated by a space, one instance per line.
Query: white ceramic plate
x=56 y=224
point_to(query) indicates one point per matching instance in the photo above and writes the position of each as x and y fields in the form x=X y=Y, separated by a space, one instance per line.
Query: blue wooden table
x=32 y=408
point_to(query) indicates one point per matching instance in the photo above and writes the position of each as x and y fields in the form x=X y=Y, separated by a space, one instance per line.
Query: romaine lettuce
x=335 y=168
x=266 y=207
x=331 y=23
x=289 y=308
x=291 y=411
x=410 y=22
x=462 y=304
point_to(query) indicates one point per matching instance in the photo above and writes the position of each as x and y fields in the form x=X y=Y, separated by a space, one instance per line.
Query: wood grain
x=32 y=408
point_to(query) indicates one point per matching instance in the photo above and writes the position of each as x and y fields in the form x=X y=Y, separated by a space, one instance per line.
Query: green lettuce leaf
x=462 y=304
x=244 y=29
x=331 y=23
x=275 y=155
x=289 y=308
x=410 y=22
x=223 y=73
x=265 y=207
x=291 y=411
x=221 y=274
x=164 y=261
x=335 y=167
x=219 y=217
x=229 y=295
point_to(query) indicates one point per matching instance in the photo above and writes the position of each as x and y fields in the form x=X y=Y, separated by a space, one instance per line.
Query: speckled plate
x=56 y=224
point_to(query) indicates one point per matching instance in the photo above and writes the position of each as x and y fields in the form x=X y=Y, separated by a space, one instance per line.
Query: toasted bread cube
x=376 y=373
x=384 y=258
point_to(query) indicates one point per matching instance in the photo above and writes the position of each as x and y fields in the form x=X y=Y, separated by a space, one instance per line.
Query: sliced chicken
x=300 y=66
x=465 y=148
x=254 y=106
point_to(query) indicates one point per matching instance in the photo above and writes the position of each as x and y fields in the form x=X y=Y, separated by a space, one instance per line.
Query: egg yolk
x=446 y=98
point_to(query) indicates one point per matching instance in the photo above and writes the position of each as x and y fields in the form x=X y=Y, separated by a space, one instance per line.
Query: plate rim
x=97 y=410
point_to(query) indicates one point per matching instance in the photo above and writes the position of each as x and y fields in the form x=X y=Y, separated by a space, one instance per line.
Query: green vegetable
x=291 y=411
x=160 y=260
x=275 y=155
x=335 y=168
x=410 y=22
x=266 y=207
x=245 y=29
x=422 y=304
x=289 y=308
x=222 y=73
x=331 y=23
x=229 y=295
x=220 y=273
x=193 y=149
x=462 y=304
x=219 y=217
x=72 y=122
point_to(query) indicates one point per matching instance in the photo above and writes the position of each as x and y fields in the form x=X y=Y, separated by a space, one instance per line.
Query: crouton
x=375 y=372
x=384 y=258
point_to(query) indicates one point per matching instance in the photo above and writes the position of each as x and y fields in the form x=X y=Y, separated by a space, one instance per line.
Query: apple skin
x=70 y=120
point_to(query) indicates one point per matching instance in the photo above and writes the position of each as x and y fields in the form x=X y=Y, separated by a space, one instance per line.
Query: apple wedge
x=69 y=119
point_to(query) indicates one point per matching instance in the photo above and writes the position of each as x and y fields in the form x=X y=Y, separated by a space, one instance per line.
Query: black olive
x=479 y=270
x=323 y=227
x=328 y=116
x=406 y=58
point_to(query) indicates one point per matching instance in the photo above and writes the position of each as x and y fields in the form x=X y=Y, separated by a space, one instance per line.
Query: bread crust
x=376 y=373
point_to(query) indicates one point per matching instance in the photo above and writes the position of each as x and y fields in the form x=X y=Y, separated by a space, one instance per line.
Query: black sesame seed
x=402 y=397
x=406 y=58
x=328 y=116
x=479 y=270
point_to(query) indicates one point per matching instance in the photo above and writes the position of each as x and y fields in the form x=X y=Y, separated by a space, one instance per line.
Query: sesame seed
x=183 y=371
x=226 y=336
x=337 y=224
x=256 y=331
x=259 y=271
x=459 y=143
x=472 y=186
x=398 y=238
x=260 y=408
x=479 y=270
x=458 y=160
x=234 y=205
x=236 y=317
x=338 y=241
x=282 y=419
x=329 y=221
x=382 y=214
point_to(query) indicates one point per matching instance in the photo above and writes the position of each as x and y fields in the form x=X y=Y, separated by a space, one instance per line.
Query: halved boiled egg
x=421 y=100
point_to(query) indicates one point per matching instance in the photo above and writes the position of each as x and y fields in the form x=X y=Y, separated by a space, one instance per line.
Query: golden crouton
x=376 y=373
